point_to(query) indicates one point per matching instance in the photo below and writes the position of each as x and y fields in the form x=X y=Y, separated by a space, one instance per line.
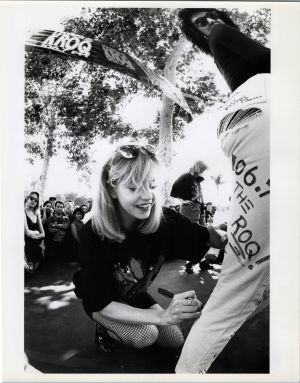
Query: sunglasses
x=202 y=21
x=33 y=199
x=132 y=151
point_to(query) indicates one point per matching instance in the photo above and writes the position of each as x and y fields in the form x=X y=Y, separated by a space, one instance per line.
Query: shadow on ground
x=59 y=337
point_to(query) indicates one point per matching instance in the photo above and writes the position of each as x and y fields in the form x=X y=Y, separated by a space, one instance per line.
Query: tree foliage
x=85 y=98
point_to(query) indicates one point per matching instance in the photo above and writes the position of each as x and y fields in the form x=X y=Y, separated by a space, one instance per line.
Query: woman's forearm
x=184 y=306
x=40 y=236
x=129 y=314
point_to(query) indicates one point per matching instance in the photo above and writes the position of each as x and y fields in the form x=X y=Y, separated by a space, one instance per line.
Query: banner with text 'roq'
x=83 y=48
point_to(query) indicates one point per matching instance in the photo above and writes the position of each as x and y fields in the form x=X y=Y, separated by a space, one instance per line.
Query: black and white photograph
x=138 y=214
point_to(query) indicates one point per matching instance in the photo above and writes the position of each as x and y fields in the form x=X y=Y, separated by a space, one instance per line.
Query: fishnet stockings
x=141 y=335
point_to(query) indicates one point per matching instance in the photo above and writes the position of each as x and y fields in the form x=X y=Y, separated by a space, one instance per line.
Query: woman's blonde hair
x=136 y=171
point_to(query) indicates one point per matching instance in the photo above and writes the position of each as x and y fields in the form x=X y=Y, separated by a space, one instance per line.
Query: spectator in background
x=52 y=200
x=46 y=212
x=88 y=214
x=84 y=208
x=68 y=210
x=34 y=232
x=76 y=227
x=187 y=188
x=77 y=224
x=58 y=225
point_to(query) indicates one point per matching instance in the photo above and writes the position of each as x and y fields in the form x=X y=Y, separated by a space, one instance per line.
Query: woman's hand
x=184 y=306
x=33 y=234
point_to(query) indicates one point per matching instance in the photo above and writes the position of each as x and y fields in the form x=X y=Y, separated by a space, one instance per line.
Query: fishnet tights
x=141 y=335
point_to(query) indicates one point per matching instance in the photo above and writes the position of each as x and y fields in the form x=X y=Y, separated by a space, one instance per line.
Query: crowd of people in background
x=52 y=230
x=133 y=237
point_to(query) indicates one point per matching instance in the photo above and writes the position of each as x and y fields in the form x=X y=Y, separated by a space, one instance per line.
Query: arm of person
x=74 y=232
x=178 y=311
x=52 y=227
x=41 y=234
x=65 y=224
x=247 y=48
x=29 y=233
x=215 y=239
x=188 y=240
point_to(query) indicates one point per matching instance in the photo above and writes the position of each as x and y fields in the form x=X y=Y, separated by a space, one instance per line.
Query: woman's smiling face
x=135 y=203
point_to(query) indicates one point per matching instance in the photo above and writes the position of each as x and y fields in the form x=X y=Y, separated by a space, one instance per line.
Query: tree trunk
x=48 y=153
x=166 y=115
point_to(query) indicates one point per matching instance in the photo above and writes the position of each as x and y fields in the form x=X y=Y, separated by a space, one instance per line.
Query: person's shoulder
x=184 y=176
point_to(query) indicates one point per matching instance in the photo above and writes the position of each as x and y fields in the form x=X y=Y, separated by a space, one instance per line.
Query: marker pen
x=165 y=292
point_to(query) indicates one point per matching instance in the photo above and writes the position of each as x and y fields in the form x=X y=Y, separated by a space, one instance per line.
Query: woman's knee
x=146 y=337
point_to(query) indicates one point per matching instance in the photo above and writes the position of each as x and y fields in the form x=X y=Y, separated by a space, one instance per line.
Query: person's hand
x=184 y=306
x=33 y=234
x=28 y=266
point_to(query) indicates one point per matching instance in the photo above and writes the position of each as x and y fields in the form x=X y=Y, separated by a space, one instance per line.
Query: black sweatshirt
x=112 y=271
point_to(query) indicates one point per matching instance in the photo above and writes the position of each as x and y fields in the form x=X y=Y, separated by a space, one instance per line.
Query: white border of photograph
x=15 y=19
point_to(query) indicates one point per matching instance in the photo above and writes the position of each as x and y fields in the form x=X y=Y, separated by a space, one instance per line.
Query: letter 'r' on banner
x=83 y=48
